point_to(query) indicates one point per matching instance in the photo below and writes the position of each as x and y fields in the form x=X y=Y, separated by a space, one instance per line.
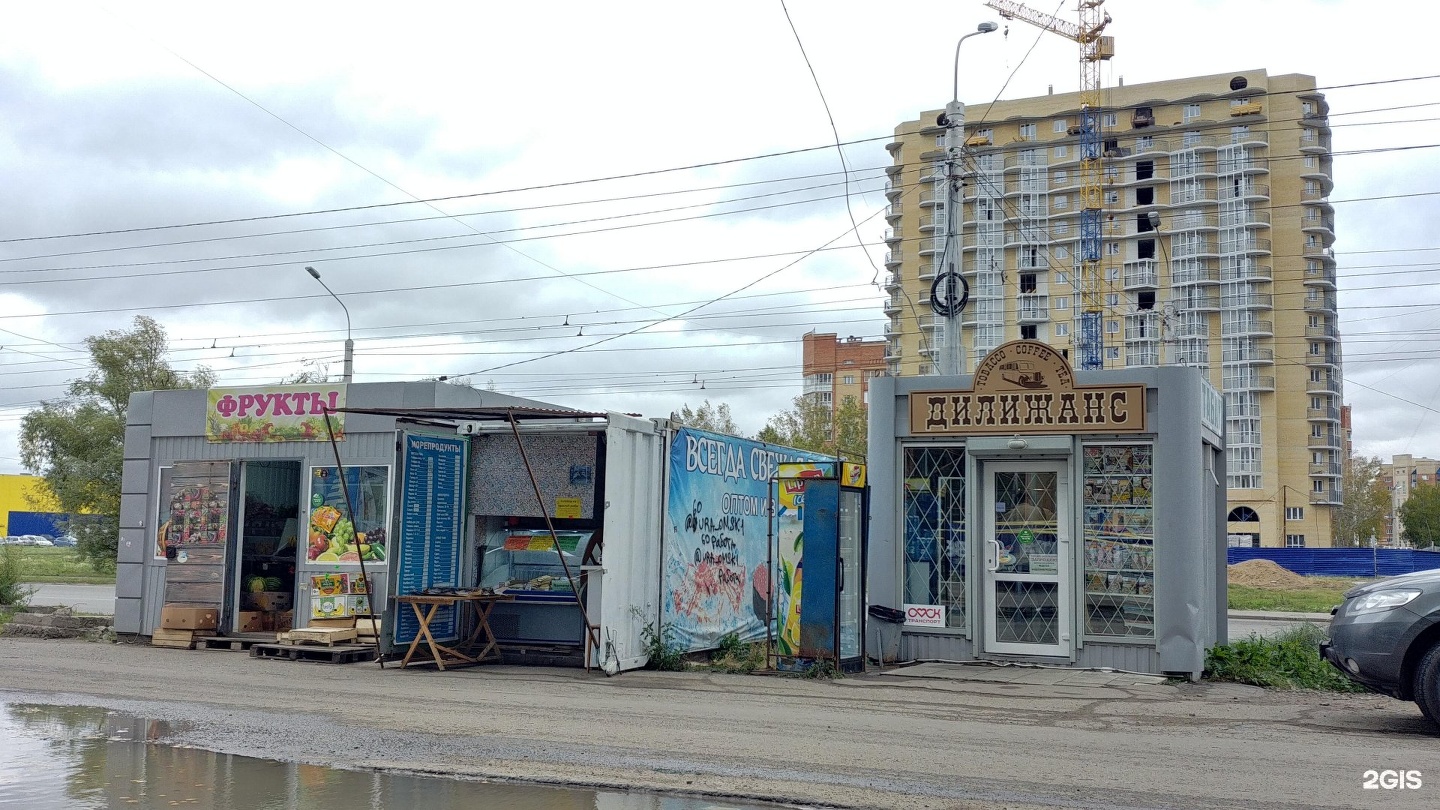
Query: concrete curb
x=1277 y=616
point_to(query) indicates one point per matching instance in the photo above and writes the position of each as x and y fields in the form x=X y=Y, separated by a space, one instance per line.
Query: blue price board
x=432 y=513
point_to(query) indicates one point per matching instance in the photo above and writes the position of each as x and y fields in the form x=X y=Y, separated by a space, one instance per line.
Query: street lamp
x=953 y=119
x=349 y=374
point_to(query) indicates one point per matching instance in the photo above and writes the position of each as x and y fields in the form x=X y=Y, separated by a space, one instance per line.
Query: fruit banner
x=275 y=413
x=333 y=537
x=716 y=578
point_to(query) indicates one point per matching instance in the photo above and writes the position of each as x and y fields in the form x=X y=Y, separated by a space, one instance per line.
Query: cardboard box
x=332 y=623
x=268 y=601
x=369 y=626
x=249 y=621
x=331 y=607
x=179 y=617
x=284 y=620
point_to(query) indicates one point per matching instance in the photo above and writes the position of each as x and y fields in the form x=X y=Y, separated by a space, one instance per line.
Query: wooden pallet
x=178 y=639
x=340 y=654
x=226 y=643
x=329 y=636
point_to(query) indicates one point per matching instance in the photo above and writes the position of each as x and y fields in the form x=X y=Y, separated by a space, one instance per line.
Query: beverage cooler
x=819 y=557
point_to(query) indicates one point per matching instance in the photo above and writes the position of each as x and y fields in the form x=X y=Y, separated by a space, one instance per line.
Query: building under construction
x=1215 y=252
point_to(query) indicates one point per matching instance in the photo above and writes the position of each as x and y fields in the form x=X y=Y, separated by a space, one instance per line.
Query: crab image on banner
x=716 y=579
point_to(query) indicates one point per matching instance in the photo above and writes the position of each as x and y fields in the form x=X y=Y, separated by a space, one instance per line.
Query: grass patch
x=57 y=564
x=1317 y=597
x=661 y=650
x=1290 y=660
x=12 y=574
x=734 y=655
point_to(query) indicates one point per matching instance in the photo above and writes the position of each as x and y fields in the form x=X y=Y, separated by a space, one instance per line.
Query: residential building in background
x=1401 y=476
x=1216 y=235
x=836 y=368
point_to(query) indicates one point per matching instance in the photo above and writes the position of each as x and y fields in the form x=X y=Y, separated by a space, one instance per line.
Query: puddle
x=54 y=757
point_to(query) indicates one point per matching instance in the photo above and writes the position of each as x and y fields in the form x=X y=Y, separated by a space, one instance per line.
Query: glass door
x=1027 y=559
x=851 y=563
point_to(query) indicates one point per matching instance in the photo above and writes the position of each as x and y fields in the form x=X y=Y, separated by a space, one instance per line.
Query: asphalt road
x=82 y=598
x=867 y=741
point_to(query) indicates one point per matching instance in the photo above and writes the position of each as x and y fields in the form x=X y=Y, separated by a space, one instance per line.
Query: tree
x=807 y=426
x=1367 y=501
x=714 y=418
x=77 y=443
x=315 y=372
x=1421 y=515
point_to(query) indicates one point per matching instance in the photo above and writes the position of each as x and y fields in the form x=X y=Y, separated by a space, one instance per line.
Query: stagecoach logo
x=925 y=615
x=1027 y=387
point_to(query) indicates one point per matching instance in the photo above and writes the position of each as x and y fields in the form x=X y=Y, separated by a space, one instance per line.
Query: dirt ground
x=873 y=740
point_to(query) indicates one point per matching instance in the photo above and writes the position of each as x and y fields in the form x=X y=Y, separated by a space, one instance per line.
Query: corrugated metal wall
x=635 y=462
x=1341 y=562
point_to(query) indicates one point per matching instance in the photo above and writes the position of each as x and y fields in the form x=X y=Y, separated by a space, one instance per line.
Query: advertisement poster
x=333 y=537
x=716 y=579
x=790 y=540
x=274 y=413
x=195 y=505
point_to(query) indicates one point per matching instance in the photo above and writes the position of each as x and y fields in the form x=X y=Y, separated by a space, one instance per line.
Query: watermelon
x=273 y=584
x=255 y=584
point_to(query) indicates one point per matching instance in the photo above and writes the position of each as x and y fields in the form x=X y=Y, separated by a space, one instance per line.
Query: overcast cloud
x=142 y=115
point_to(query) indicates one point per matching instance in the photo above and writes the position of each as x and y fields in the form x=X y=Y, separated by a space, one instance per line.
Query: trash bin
x=887 y=624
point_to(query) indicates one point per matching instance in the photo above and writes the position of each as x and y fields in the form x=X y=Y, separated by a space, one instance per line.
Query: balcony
x=892 y=349
x=1242 y=164
x=1142 y=326
x=1249 y=438
x=1248 y=355
x=1142 y=355
x=1246 y=191
x=1323 y=360
x=1320 y=277
x=893 y=235
x=894 y=187
x=1252 y=245
x=1196 y=247
x=1247 y=382
x=1314 y=141
x=1250 y=138
x=1029 y=235
x=929 y=270
x=1197 y=303
x=893 y=210
x=1330 y=414
x=1246 y=327
x=1316 y=221
x=1328 y=495
x=1248 y=271
x=1190 y=196
x=1324 y=303
x=1192 y=328
x=1026 y=159
x=1320 y=251
x=893 y=304
x=929 y=247
x=1034 y=308
x=1248 y=301
x=928 y=197
x=1190 y=355
x=1142 y=274
x=1204 y=273
x=1325 y=441
x=928 y=224
x=894 y=257
x=1323 y=332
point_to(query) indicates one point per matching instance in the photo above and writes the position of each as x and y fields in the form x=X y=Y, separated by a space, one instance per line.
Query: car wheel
x=1427 y=684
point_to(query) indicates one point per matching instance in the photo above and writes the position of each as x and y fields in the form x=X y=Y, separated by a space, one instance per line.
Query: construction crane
x=1094 y=49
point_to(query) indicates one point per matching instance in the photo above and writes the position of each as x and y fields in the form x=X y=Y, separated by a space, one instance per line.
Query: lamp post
x=950 y=282
x=349 y=373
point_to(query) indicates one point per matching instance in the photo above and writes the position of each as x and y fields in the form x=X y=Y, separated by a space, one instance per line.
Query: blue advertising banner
x=431 y=527
x=716 y=580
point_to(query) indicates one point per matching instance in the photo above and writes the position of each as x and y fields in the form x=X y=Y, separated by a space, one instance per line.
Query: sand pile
x=1265 y=574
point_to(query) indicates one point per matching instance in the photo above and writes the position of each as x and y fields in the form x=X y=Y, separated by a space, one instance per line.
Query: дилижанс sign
x=1027 y=387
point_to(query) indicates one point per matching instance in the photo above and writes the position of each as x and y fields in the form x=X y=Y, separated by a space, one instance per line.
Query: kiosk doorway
x=1026 y=577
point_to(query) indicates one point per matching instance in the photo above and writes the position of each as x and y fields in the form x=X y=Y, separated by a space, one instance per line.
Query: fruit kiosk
x=233 y=514
x=1029 y=512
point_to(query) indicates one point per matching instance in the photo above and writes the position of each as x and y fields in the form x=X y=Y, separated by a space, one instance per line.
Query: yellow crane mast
x=1094 y=49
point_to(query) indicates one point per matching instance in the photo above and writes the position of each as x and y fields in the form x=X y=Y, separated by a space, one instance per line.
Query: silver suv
x=1385 y=636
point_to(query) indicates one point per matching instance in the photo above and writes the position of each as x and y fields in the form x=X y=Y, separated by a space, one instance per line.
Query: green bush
x=660 y=647
x=12 y=591
x=734 y=655
x=823 y=669
x=1290 y=660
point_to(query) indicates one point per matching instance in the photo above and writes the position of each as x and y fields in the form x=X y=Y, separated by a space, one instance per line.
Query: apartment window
x=1027 y=283
x=1112 y=249
x=849 y=379
x=1062 y=277
x=1110 y=120
x=1145 y=196
x=825 y=397
x=1061 y=252
x=1190 y=139
x=1112 y=353
x=1144 y=169
x=1059 y=125
x=1307 y=107
x=1294 y=513
x=1062 y=302
x=1315 y=375
x=1028 y=331
x=1027 y=132
x=1316 y=404
x=1315 y=347
x=1310 y=161
x=1061 y=151
x=1315 y=431
x=1112 y=198
x=1112 y=299
x=1062 y=201
x=1317 y=485
x=1295 y=540
x=1112 y=327
x=1192 y=111
x=1063 y=226
x=1061 y=178
x=987 y=134
x=1144 y=142
x=825 y=378
x=1062 y=329
x=1112 y=273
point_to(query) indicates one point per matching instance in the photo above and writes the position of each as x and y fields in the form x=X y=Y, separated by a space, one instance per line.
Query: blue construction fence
x=1341 y=562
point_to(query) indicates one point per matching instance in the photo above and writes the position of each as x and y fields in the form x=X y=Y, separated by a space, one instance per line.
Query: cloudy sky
x=632 y=205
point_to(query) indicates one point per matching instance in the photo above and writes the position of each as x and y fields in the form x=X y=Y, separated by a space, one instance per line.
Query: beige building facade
x=837 y=368
x=1214 y=251
x=1402 y=475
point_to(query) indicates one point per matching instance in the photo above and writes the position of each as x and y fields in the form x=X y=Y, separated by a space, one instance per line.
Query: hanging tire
x=1427 y=684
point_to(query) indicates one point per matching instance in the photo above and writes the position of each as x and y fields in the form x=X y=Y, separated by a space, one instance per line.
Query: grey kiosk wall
x=1030 y=513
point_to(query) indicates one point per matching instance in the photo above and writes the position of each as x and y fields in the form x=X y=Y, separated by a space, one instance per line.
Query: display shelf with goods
x=1119 y=572
x=524 y=562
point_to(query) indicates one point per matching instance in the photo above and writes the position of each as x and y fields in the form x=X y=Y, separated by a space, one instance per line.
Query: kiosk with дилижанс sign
x=1029 y=512
x=820 y=531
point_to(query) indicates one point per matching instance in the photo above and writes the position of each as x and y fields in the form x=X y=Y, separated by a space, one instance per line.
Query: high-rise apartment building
x=835 y=369
x=1402 y=475
x=1215 y=252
